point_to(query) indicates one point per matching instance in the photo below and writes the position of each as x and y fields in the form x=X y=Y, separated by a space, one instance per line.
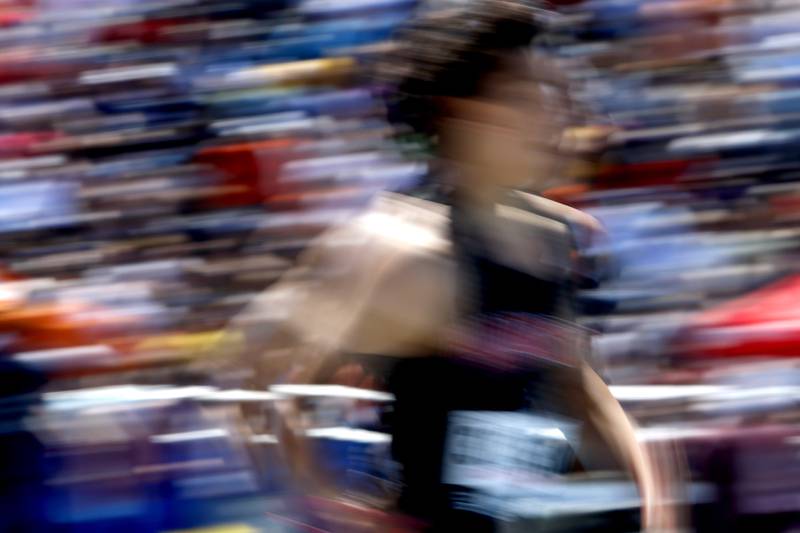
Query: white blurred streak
x=668 y=433
x=349 y=435
x=332 y=391
x=264 y=439
x=729 y=140
x=185 y=436
x=768 y=74
x=121 y=394
x=67 y=357
x=550 y=433
x=638 y=393
x=240 y=395
x=283 y=127
x=228 y=125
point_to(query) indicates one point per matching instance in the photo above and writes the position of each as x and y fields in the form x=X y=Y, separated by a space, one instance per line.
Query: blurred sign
x=490 y=450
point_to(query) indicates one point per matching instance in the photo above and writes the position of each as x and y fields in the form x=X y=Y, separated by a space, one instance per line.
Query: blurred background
x=164 y=161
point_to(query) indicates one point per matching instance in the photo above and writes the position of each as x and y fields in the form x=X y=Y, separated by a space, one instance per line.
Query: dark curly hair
x=451 y=53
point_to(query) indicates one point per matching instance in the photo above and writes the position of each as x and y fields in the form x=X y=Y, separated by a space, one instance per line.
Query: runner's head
x=471 y=79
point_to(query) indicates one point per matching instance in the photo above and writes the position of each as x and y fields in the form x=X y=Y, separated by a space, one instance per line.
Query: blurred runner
x=458 y=295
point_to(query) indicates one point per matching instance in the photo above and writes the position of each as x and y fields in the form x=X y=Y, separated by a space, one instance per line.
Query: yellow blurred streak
x=232 y=528
x=299 y=70
x=189 y=344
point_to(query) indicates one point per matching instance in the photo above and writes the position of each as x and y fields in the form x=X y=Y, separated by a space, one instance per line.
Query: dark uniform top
x=513 y=347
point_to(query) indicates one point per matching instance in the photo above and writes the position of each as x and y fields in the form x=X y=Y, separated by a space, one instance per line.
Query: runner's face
x=510 y=135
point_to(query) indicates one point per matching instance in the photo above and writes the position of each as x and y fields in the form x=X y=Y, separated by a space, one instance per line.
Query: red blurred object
x=13 y=17
x=24 y=143
x=12 y=71
x=763 y=323
x=645 y=174
x=249 y=170
x=147 y=31
x=53 y=325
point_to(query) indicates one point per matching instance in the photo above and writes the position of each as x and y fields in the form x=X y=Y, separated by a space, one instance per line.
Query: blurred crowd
x=162 y=162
